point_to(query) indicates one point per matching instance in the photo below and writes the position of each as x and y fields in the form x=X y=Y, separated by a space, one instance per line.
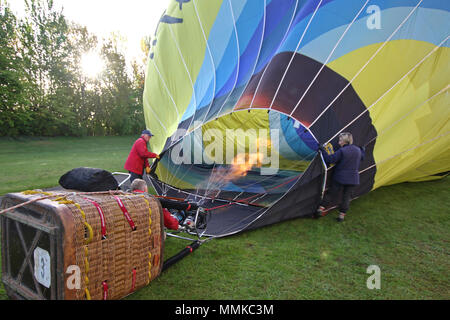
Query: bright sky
x=133 y=19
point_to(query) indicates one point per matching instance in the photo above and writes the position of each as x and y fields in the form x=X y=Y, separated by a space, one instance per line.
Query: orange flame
x=240 y=166
x=243 y=163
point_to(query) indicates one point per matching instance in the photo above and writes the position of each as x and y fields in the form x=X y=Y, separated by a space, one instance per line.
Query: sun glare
x=91 y=64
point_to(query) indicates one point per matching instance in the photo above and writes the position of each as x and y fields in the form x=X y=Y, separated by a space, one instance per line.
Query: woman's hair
x=138 y=184
x=346 y=137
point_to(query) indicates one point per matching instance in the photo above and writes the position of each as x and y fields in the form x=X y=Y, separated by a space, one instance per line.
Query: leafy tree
x=43 y=90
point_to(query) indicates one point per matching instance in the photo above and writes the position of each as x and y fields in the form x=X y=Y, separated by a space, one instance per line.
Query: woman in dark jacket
x=346 y=173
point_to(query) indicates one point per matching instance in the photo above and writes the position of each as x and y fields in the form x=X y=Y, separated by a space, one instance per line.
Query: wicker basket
x=102 y=245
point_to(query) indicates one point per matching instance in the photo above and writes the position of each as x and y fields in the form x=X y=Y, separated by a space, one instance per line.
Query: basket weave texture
x=125 y=259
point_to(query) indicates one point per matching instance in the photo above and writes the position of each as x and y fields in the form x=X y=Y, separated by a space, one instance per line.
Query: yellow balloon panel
x=405 y=88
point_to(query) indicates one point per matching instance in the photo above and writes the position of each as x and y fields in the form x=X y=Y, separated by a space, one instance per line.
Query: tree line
x=43 y=91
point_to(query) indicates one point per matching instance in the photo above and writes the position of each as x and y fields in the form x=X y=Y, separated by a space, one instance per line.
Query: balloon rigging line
x=238 y=60
x=157 y=118
x=165 y=86
x=184 y=64
x=405 y=151
x=178 y=158
x=293 y=54
x=365 y=65
x=257 y=56
x=384 y=94
x=409 y=113
x=212 y=63
x=264 y=210
x=209 y=180
x=268 y=64
x=214 y=74
x=401 y=118
x=328 y=58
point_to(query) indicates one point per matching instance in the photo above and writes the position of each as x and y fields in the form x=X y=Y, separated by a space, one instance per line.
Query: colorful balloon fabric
x=289 y=75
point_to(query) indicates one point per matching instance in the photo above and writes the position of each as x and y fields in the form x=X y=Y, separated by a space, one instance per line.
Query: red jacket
x=169 y=221
x=137 y=159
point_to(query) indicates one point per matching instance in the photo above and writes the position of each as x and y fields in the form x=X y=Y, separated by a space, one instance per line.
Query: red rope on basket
x=125 y=213
x=102 y=217
x=105 y=290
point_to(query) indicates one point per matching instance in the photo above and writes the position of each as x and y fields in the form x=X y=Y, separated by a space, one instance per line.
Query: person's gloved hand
x=147 y=169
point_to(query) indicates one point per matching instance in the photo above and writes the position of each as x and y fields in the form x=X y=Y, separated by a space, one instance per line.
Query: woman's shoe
x=341 y=217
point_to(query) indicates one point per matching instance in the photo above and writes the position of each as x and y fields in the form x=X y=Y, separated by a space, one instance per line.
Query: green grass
x=39 y=162
x=404 y=229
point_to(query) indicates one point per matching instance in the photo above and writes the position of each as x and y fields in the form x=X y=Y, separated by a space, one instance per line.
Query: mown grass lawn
x=404 y=229
x=39 y=162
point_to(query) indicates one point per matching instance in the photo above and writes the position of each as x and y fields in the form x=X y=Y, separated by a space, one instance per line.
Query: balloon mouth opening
x=254 y=166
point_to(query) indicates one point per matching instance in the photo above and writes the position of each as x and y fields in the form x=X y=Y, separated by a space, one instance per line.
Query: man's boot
x=319 y=212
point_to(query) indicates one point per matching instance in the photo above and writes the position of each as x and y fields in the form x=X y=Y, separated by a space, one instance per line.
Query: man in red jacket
x=140 y=186
x=138 y=158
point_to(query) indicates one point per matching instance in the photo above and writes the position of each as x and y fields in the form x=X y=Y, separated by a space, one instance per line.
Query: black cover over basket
x=88 y=180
